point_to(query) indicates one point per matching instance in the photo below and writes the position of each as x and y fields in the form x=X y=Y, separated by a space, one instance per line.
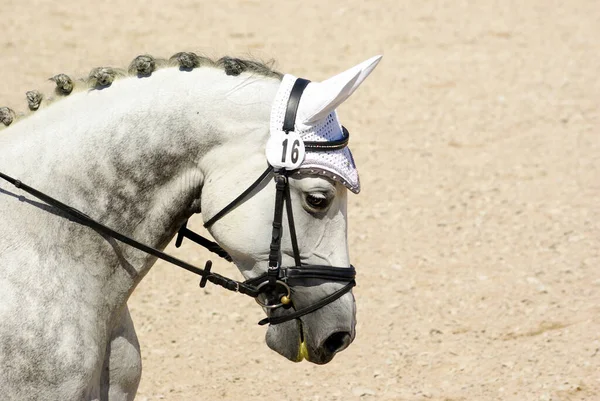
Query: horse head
x=318 y=182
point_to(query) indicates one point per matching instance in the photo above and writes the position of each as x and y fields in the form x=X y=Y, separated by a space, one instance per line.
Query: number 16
x=294 y=154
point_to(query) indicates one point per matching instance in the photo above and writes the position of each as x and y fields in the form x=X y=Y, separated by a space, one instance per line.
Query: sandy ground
x=477 y=232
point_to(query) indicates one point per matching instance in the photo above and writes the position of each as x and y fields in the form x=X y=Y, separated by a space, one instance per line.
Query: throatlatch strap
x=239 y=199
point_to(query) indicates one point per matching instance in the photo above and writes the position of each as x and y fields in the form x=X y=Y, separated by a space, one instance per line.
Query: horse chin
x=286 y=339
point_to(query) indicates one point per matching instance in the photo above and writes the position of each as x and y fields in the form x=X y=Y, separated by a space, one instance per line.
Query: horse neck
x=134 y=156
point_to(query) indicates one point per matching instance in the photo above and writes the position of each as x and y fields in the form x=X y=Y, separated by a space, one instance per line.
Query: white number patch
x=285 y=150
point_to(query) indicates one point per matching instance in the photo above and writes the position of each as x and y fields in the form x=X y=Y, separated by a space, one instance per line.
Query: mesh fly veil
x=335 y=164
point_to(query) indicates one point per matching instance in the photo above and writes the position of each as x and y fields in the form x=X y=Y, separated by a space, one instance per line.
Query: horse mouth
x=336 y=342
x=313 y=338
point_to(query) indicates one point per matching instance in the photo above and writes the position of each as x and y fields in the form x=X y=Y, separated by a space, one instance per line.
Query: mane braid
x=142 y=66
x=187 y=61
x=64 y=84
x=235 y=66
x=7 y=116
x=34 y=99
x=103 y=77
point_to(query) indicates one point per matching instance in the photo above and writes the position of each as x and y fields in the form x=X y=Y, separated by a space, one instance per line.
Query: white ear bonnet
x=317 y=121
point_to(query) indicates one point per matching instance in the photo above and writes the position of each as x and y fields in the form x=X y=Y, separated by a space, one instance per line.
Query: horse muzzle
x=317 y=336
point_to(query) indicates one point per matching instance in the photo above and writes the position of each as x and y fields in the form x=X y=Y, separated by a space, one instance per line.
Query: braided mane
x=142 y=66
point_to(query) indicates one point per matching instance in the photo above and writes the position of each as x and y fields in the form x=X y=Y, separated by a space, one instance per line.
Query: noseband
x=273 y=289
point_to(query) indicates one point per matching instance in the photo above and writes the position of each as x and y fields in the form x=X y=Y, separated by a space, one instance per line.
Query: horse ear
x=321 y=98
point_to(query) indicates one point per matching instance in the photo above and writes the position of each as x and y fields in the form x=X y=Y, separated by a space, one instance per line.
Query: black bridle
x=273 y=289
x=275 y=284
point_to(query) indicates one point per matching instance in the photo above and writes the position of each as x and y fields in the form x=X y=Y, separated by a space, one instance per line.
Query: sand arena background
x=477 y=233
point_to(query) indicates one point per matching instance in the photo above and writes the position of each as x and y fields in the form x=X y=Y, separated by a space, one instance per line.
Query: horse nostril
x=337 y=341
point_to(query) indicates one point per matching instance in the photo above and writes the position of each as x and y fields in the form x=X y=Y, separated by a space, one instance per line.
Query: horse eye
x=317 y=201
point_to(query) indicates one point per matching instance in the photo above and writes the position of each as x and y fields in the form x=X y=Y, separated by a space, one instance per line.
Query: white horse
x=141 y=155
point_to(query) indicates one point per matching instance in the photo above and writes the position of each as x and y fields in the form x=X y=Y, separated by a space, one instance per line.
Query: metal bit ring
x=283 y=299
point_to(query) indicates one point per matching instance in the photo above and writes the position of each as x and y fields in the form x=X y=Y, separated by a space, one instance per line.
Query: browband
x=338 y=144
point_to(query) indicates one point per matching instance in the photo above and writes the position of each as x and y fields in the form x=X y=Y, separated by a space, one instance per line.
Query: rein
x=272 y=289
x=85 y=220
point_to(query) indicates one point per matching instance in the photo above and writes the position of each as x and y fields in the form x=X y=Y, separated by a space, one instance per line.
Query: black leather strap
x=239 y=199
x=289 y=122
x=297 y=275
x=290 y=215
x=212 y=246
x=275 y=248
x=300 y=274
